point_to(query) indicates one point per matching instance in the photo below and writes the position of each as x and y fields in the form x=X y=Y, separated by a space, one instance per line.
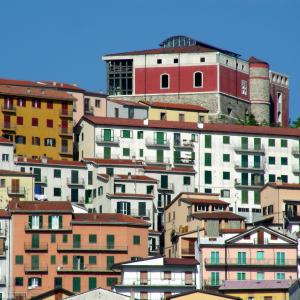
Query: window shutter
x=49 y=221
x=41 y=221
x=60 y=221
x=39 y=281
x=128 y=208
x=30 y=221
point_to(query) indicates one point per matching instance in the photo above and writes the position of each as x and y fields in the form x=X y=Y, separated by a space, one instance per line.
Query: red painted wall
x=147 y=80
x=230 y=82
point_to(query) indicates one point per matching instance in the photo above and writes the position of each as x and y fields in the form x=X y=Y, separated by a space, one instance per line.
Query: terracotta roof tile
x=232 y=230
x=142 y=178
x=128 y=195
x=204 y=201
x=28 y=206
x=181 y=261
x=7 y=81
x=108 y=218
x=35 y=92
x=103 y=176
x=14 y=173
x=227 y=215
x=171 y=170
x=104 y=161
x=128 y=103
x=59 y=85
x=179 y=106
x=283 y=185
x=4 y=213
x=20 y=160
x=5 y=141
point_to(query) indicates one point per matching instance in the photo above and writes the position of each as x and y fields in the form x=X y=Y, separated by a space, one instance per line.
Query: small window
x=53 y=260
x=110 y=281
x=19 y=259
x=92 y=238
x=19 y=281
x=98 y=103
x=19 y=120
x=175 y=60
x=225 y=193
x=136 y=240
x=57 y=173
x=244 y=87
x=140 y=135
x=92 y=260
x=35 y=122
x=50 y=123
x=202 y=59
x=35 y=140
x=284 y=161
x=20 y=139
x=226 y=157
x=5 y=157
x=159 y=61
x=126 y=152
x=116 y=112
x=163 y=116
x=57 y=192
x=198 y=80
x=271 y=160
x=164 y=81
x=226 y=175
x=283 y=143
x=226 y=139
x=181 y=117
x=186 y=180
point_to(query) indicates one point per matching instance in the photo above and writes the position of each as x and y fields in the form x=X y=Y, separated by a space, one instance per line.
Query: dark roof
x=181 y=261
x=222 y=296
x=52 y=292
x=141 y=178
x=255 y=285
x=14 y=173
x=178 y=106
x=44 y=206
x=204 y=201
x=109 y=219
x=227 y=215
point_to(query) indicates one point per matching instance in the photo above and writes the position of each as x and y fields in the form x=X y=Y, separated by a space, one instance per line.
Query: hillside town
x=181 y=182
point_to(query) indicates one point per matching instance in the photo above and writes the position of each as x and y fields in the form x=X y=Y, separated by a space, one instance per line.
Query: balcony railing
x=252 y=185
x=165 y=187
x=8 y=108
x=156 y=161
x=64 y=113
x=92 y=247
x=184 y=144
x=188 y=251
x=88 y=110
x=66 y=131
x=212 y=283
x=296 y=151
x=36 y=248
x=113 y=140
x=42 y=180
x=165 y=143
x=45 y=228
x=296 y=169
x=79 y=182
x=66 y=151
x=40 y=268
x=8 y=126
x=259 y=149
x=136 y=213
x=16 y=191
x=158 y=281
x=81 y=269
x=184 y=162
x=249 y=168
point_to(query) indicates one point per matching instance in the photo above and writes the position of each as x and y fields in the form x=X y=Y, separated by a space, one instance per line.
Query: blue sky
x=64 y=40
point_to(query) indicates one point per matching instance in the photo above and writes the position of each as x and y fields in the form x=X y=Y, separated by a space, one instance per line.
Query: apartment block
x=158 y=278
x=232 y=160
x=6 y=154
x=54 y=247
x=39 y=121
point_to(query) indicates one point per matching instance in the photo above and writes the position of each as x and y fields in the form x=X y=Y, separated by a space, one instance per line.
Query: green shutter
x=207 y=159
x=53 y=260
x=92 y=260
x=226 y=175
x=244 y=196
x=35 y=262
x=207 y=177
x=256 y=197
x=60 y=221
x=126 y=152
x=40 y=221
x=244 y=161
x=226 y=157
x=30 y=222
x=107 y=152
x=207 y=141
x=92 y=238
x=160 y=138
x=65 y=238
x=110 y=241
x=110 y=260
x=226 y=139
x=244 y=178
x=65 y=260
x=136 y=240
x=244 y=142
x=76 y=241
x=177 y=156
x=142 y=209
x=160 y=155
x=126 y=134
x=283 y=143
x=76 y=284
x=92 y=283
x=35 y=240
x=110 y=281
x=140 y=134
x=19 y=260
x=107 y=135
x=257 y=143
x=256 y=161
x=271 y=142
x=49 y=221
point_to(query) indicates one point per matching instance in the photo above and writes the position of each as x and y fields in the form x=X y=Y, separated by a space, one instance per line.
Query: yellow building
x=15 y=185
x=202 y=295
x=176 y=112
x=38 y=120
x=257 y=289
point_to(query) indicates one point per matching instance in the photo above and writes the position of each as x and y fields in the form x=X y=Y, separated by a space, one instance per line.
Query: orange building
x=53 y=247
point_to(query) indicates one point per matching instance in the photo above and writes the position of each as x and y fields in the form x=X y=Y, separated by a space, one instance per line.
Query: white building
x=232 y=160
x=6 y=154
x=157 y=278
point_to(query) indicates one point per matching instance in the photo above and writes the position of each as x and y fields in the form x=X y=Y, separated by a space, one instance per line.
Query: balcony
x=244 y=185
x=212 y=284
x=82 y=269
x=157 y=161
x=41 y=180
x=258 y=149
x=296 y=151
x=184 y=162
x=165 y=187
x=78 y=182
x=158 y=281
x=184 y=145
x=9 y=108
x=91 y=248
x=188 y=252
x=47 y=229
x=135 y=213
x=36 y=269
x=8 y=126
x=296 y=169
x=66 y=151
x=3 y=280
x=66 y=132
x=64 y=113
x=259 y=168
x=16 y=191
x=156 y=143
x=42 y=247
x=88 y=110
x=112 y=140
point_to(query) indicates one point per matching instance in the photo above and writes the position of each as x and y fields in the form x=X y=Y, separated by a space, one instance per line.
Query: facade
x=232 y=160
x=53 y=247
x=157 y=278
x=185 y=70
x=191 y=216
x=201 y=294
x=257 y=289
x=39 y=121
x=6 y=154
x=260 y=253
x=15 y=185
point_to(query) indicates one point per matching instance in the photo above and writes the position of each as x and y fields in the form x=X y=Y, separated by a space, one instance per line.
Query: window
x=2 y=182
x=36 y=103
x=92 y=283
x=20 y=139
x=241 y=276
x=226 y=139
x=19 y=281
x=110 y=281
x=271 y=160
x=186 y=180
x=35 y=140
x=92 y=238
x=65 y=259
x=207 y=159
x=126 y=134
x=49 y=142
x=65 y=238
x=49 y=123
x=164 y=81
x=19 y=259
x=198 y=79
x=283 y=143
x=226 y=157
x=35 y=122
x=110 y=260
x=163 y=116
x=271 y=142
x=159 y=61
x=19 y=120
x=181 y=117
x=90 y=177
x=57 y=282
x=280 y=276
x=260 y=255
x=21 y=102
x=214 y=257
x=140 y=134
x=126 y=152
x=57 y=192
x=207 y=177
x=5 y=157
x=284 y=178
x=257 y=197
x=49 y=104
x=57 y=173
x=136 y=240
x=244 y=197
x=272 y=178
x=76 y=284
x=225 y=193
x=280 y=258
x=202 y=59
x=98 y=103
x=260 y=275
x=142 y=209
x=284 y=161
x=92 y=260
x=244 y=87
x=207 y=141
x=215 y=278
x=141 y=152
x=241 y=258
x=53 y=260
x=116 y=112
x=226 y=175
x=130 y=113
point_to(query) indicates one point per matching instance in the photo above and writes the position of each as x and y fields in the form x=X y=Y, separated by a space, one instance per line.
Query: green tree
x=296 y=123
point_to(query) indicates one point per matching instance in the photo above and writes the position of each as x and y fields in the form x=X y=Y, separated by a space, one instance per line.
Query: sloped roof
x=178 y=106
x=14 y=173
x=142 y=178
x=227 y=215
x=255 y=285
x=204 y=201
x=71 y=163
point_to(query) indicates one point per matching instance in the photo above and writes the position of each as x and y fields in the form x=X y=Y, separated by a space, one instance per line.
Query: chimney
x=146 y=122
x=279 y=181
x=129 y=176
x=44 y=159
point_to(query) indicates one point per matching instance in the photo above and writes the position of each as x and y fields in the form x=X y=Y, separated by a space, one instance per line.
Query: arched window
x=164 y=81
x=198 y=79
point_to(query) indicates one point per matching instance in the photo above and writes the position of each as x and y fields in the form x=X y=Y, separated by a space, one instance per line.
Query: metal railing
x=247 y=148
x=91 y=247
x=66 y=150
x=8 y=107
x=272 y=262
x=46 y=228
x=40 y=268
x=296 y=151
x=71 y=181
x=66 y=113
x=136 y=213
x=239 y=166
x=184 y=161
x=82 y=269
x=100 y=139
x=66 y=131
x=158 y=281
x=168 y=187
x=252 y=185
x=153 y=142
x=155 y=161
x=8 y=126
x=184 y=144
x=16 y=191
x=39 y=247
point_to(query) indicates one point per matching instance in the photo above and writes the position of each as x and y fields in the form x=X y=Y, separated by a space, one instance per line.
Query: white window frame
x=165 y=88
x=194 y=81
x=35 y=222
x=244 y=87
x=54 y=222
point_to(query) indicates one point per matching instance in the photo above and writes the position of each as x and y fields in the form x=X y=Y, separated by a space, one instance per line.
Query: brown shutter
x=2 y=246
x=144 y=277
x=188 y=278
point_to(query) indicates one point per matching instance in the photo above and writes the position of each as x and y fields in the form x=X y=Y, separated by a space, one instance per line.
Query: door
x=257 y=143
x=35 y=241
x=107 y=152
x=177 y=139
x=15 y=185
x=214 y=257
x=244 y=178
x=160 y=138
x=64 y=126
x=74 y=195
x=110 y=241
x=244 y=161
x=35 y=262
x=160 y=155
x=76 y=241
x=74 y=176
x=107 y=135
x=164 y=181
x=256 y=161
x=142 y=209
x=241 y=259
x=244 y=143
x=177 y=156
x=144 y=277
x=78 y=262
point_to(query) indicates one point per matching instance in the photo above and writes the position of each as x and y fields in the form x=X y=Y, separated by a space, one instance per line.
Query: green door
x=74 y=176
x=35 y=241
x=35 y=262
x=37 y=174
x=164 y=181
x=107 y=135
x=176 y=156
x=256 y=161
x=244 y=178
x=160 y=155
x=107 y=152
x=74 y=195
x=244 y=143
x=110 y=241
x=76 y=241
x=244 y=161
x=160 y=138
x=215 y=278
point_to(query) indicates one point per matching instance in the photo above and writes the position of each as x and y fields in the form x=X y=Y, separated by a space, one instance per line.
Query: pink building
x=260 y=253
